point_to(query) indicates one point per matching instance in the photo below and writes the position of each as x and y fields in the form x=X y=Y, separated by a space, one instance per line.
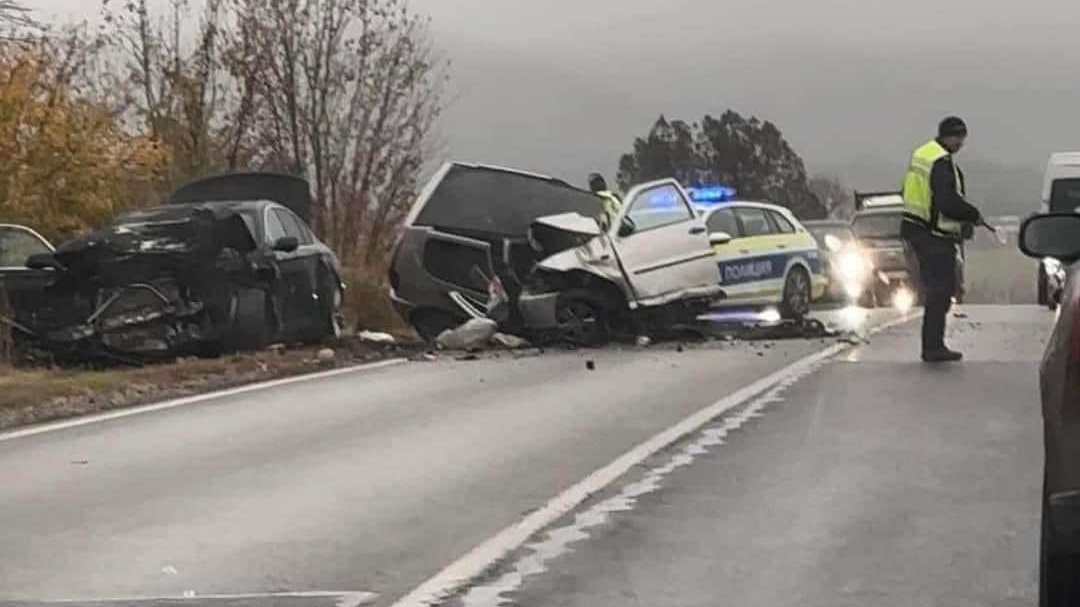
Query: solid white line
x=480 y=559
x=191 y=400
x=345 y=599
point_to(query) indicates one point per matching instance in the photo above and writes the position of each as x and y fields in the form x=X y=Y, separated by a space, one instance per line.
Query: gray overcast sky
x=563 y=86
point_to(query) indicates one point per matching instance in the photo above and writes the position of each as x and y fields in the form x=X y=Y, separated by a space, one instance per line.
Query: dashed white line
x=482 y=558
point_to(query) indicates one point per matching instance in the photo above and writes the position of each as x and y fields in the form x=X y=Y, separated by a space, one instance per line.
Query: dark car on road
x=847 y=266
x=878 y=233
x=1058 y=236
x=228 y=263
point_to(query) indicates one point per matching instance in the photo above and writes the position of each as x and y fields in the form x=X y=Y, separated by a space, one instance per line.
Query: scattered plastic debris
x=510 y=342
x=644 y=341
x=590 y=365
x=326 y=355
x=473 y=334
x=376 y=337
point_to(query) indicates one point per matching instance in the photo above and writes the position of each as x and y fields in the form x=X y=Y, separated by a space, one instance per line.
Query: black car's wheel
x=331 y=319
x=250 y=324
x=1059 y=575
x=583 y=317
x=795 y=302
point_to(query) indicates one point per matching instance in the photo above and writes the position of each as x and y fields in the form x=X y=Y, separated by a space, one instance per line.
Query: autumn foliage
x=68 y=161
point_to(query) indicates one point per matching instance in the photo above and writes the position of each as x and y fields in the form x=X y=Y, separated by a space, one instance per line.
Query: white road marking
x=482 y=558
x=557 y=541
x=344 y=599
x=192 y=400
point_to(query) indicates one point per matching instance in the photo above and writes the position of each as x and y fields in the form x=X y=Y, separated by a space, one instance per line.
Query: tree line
x=747 y=154
x=96 y=120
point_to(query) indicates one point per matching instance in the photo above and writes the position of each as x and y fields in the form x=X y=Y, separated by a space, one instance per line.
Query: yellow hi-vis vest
x=611 y=204
x=918 y=197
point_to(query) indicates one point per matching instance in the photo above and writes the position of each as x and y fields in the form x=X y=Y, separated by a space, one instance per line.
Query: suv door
x=664 y=247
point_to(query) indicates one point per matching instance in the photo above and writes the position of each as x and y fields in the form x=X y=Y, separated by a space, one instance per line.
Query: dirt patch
x=29 y=396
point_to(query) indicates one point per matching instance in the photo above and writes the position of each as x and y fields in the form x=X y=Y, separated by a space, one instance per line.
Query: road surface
x=869 y=480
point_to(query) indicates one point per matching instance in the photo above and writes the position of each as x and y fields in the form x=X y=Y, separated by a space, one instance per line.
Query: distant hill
x=998 y=189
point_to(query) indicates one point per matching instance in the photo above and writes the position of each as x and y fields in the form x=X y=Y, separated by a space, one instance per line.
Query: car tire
x=331 y=298
x=251 y=321
x=584 y=318
x=1059 y=575
x=1042 y=288
x=795 y=301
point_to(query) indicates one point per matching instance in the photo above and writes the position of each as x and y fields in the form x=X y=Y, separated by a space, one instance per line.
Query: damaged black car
x=228 y=263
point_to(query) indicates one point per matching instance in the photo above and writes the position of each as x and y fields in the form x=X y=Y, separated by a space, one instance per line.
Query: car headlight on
x=852 y=265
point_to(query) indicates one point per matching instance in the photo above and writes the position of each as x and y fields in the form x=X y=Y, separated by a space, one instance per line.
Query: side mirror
x=286 y=244
x=1056 y=236
x=627 y=227
x=43 y=261
x=717 y=238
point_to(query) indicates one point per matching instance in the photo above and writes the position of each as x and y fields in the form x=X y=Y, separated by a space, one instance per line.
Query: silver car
x=541 y=257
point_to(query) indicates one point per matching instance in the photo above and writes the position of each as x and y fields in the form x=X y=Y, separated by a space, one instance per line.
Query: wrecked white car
x=530 y=252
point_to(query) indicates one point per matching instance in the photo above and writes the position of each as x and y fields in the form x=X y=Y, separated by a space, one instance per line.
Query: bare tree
x=838 y=200
x=13 y=13
x=350 y=93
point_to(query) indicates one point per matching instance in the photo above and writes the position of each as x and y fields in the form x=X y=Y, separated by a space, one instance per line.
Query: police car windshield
x=885 y=225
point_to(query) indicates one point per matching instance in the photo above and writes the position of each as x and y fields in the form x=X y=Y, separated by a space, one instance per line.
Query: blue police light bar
x=712 y=194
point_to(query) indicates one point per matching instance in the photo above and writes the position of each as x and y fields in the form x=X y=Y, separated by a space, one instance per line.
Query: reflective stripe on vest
x=919 y=197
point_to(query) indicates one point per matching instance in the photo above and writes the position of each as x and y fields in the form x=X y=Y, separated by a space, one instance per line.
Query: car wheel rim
x=579 y=321
x=798 y=298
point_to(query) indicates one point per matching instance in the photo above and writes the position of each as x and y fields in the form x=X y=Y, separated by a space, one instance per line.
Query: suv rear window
x=482 y=200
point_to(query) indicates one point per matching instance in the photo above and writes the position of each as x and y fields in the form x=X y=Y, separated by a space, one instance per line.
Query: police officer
x=936 y=218
x=611 y=202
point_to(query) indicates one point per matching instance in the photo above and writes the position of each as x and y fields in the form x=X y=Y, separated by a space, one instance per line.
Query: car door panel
x=668 y=252
x=291 y=281
x=751 y=263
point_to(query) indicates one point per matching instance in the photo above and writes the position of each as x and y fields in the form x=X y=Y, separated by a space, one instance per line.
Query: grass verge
x=30 y=396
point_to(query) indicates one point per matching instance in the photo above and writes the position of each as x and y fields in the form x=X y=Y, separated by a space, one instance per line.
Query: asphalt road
x=373 y=482
x=873 y=481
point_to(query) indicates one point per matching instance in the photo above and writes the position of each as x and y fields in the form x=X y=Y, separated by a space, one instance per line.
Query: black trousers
x=937 y=277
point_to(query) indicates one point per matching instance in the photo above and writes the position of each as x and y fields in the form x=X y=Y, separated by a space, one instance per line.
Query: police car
x=766 y=256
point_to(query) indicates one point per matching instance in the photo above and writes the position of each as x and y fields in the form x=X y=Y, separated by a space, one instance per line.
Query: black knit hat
x=952 y=126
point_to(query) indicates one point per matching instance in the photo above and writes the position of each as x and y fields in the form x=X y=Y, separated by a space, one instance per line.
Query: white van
x=1060 y=194
x=1061 y=184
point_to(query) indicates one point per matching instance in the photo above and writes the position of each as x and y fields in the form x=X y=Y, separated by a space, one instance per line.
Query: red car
x=1058 y=236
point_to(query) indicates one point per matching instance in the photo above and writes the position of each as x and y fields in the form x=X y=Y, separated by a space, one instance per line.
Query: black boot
x=944 y=355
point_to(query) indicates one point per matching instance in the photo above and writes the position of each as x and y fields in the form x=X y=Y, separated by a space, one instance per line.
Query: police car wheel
x=795 y=303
